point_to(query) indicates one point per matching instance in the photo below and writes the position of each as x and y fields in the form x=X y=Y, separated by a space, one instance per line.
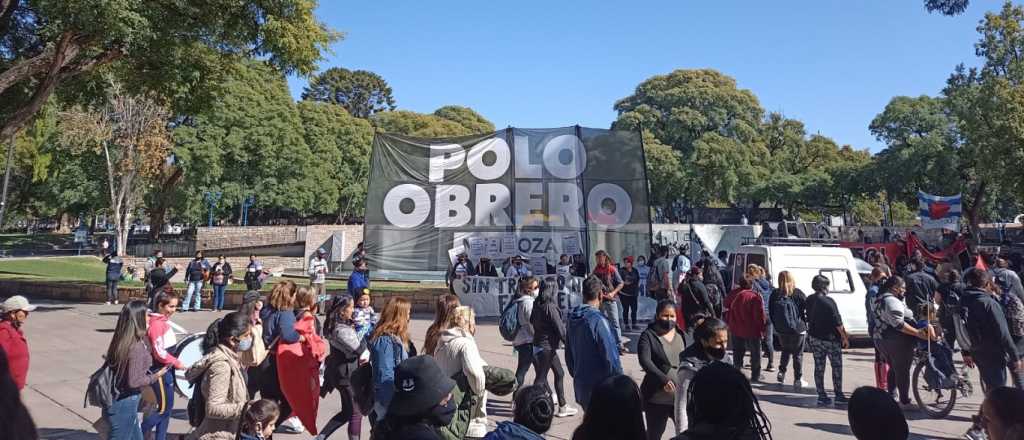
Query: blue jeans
x=218 y=296
x=196 y=288
x=159 y=420
x=123 y=416
x=613 y=311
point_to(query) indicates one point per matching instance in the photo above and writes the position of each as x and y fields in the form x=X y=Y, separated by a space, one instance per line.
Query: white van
x=804 y=262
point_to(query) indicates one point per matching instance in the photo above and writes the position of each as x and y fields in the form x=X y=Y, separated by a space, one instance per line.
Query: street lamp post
x=211 y=198
x=246 y=204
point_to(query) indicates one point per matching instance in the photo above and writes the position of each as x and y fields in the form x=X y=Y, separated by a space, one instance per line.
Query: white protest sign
x=489 y=295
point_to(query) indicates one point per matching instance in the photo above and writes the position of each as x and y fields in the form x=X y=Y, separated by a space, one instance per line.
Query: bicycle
x=938 y=402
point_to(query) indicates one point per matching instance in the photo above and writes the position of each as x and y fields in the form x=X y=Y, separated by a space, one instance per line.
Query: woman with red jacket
x=13 y=313
x=746 y=318
x=299 y=363
x=161 y=336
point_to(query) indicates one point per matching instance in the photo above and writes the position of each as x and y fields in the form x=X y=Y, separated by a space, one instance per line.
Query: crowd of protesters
x=271 y=347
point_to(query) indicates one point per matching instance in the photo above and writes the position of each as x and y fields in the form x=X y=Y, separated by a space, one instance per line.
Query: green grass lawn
x=93 y=270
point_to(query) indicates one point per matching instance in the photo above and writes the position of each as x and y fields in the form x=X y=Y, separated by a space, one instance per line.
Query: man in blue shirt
x=359 y=279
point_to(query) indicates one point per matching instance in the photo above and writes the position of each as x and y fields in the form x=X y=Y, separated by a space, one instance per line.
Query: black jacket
x=920 y=288
x=693 y=298
x=654 y=361
x=986 y=325
x=788 y=314
x=159 y=278
x=548 y=326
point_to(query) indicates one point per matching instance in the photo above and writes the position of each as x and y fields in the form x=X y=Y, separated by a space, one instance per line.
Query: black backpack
x=102 y=389
x=197 y=404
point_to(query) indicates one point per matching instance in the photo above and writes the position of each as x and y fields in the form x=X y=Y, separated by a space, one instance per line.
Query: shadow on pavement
x=66 y=434
x=104 y=330
x=44 y=309
x=833 y=428
x=795 y=400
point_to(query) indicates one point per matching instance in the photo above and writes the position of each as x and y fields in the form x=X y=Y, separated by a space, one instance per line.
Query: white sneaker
x=116 y=303
x=566 y=411
x=107 y=303
x=291 y=426
x=799 y=384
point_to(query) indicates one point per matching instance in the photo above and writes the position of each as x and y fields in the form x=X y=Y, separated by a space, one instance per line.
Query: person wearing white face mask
x=529 y=288
x=222 y=383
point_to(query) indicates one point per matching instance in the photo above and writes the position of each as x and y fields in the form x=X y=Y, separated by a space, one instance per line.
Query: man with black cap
x=422 y=402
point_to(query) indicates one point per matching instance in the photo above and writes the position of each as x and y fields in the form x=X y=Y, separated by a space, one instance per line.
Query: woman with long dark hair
x=346 y=348
x=658 y=352
x=223 y=385
x=444 y=306
x=615 y=411
x=548 y=335
x=129 y=357
x=389 y=346
x=722 y=406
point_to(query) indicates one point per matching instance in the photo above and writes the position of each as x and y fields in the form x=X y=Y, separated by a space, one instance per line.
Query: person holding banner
x=486 y=268
x=610 y=305
x=518 y=268
x=461 y=268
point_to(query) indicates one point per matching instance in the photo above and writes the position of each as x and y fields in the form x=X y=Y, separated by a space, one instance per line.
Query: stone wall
x=238 y=264
x=320 y=236
x=227 y=237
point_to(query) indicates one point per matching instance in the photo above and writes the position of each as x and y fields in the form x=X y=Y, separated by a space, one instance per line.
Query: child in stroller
x=940 y=372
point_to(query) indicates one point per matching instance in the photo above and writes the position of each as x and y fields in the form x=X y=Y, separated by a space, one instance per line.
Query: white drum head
x=188 y=351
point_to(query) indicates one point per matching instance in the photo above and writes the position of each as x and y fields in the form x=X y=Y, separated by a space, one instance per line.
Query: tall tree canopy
x=175 y=48
x=340 y=144
x=250 y=141
x=361 y=92
x=448 y=121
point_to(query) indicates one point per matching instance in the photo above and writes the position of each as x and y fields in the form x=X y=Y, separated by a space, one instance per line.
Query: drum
x=189 y=350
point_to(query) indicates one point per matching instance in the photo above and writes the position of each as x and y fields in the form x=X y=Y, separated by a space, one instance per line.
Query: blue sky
x=832 y=64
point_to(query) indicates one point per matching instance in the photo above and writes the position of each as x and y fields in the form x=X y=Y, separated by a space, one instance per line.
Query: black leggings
x=547 y=359
x=628 y=309
x=657 y=419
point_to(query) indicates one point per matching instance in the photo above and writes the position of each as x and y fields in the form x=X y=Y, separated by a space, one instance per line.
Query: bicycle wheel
x=936 y=403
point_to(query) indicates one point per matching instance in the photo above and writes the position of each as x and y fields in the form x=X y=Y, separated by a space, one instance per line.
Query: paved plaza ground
x=66 y=341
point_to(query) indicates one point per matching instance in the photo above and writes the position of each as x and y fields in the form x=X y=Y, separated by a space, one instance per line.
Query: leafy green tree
x=414 y=124
x=465 y=117
x=710 y=122
x=361 y=92
x=921 y=151
x=341 y=145
x=250 y=141
x=175 y=48
x=987 y=105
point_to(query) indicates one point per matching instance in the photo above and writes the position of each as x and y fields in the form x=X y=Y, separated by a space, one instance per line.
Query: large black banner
x=534 y=192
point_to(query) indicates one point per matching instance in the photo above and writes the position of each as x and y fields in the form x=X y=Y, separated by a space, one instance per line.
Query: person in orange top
x=747 y=321
x=299 y=363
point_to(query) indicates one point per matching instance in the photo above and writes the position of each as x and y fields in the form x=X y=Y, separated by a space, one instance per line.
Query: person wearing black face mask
x=710 y=339
x=422 y=402
x=658 y=351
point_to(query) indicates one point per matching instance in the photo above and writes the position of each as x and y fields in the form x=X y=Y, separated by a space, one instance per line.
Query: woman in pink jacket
x=161 y=336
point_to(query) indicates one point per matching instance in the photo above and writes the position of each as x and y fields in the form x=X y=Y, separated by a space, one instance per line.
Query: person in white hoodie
x=529 y=288
x=457 y=352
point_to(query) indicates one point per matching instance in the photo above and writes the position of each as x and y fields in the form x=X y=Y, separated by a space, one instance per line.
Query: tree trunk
x=973 y=213
x=7 y=180
x=64 y=223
